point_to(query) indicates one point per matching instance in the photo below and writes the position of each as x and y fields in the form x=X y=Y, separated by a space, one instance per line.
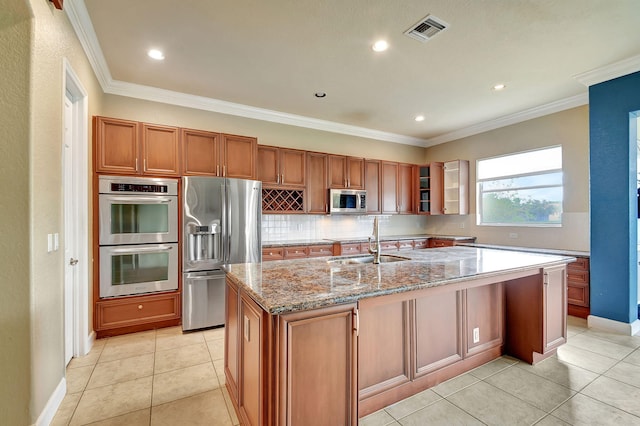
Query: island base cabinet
x=317 y=379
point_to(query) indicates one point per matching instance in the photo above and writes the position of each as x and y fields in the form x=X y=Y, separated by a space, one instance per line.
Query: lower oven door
x=137 y=269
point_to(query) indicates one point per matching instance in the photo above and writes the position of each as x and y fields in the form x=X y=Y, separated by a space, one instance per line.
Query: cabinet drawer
x=272 y=253
x=581 y=264
x=405 y=245
x=420 y=244
x=296 y=252
x=324 y=250
x=577 y=277
x=433 y=243
x=353 y=248
x=578 y=295
x=140 y=310
x=389 y=245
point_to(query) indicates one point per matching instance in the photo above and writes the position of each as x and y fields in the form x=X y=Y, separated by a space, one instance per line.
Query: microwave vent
x=426 y=28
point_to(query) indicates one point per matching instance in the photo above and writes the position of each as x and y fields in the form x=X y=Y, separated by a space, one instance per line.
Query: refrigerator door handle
x=228 y=219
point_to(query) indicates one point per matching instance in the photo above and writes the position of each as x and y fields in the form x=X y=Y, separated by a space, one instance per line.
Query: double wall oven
x=138 y=235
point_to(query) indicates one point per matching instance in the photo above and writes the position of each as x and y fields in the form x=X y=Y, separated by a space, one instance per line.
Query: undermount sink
x=355 y=260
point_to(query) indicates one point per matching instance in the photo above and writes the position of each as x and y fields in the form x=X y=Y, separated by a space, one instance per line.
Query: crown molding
x=609 y=72
x=518 y=117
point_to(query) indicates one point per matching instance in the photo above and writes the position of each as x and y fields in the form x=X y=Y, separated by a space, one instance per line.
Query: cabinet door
x=389 y=187
x=437 y=188
x=383 y=324
x=250 y=386
x=116 y=143
x=337 y=171
x=239 y=156
x=555 y=307
x=292 y=167
x=456 y=183
x=318 y=367
x=372 y=185
x=161 y=150
x=200 y=153
x=268 y=167
x=231 y=335
x=316 y=182
x=355 y=173
x=405 y=189
x=437 y=331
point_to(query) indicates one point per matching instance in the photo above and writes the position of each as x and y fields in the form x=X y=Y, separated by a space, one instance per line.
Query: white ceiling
x=266 y=59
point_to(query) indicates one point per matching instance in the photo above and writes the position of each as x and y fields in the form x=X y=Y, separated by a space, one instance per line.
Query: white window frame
x=480 y=192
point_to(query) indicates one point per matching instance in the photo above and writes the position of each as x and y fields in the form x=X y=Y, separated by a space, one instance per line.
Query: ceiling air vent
x=426 y=28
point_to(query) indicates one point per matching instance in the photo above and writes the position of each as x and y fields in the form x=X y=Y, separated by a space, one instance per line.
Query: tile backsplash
x=304 y=227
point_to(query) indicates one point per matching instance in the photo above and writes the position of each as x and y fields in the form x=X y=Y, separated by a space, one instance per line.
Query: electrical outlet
x=461 y=225
x=513 y=235
x=476 y=335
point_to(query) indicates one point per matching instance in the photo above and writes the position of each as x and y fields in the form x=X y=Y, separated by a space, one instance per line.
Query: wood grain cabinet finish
x=578 y=287
x=389 y=187
x=296 y=252
x=200 y=152
x=372 y=171
x=342 y=249
x=231 y=338
x=251 y=404
x=318 y=367
x=456 y=187
x=131 y=312
x=281 y=167
x=316 y=190
x=406 y=184
x=129 y=147
x=320 y=250
x=485 y=313
x=238 y=155
x=429 y=189
x=345 y=172
x=421 y=244
x=117 y=145
x=536 y=314
x=272 y=253
x=441 y=242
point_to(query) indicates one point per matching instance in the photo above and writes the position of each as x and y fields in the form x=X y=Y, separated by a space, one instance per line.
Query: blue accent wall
x=614 y=260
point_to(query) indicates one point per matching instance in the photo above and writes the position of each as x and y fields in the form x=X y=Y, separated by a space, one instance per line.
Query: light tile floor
x=165 y=377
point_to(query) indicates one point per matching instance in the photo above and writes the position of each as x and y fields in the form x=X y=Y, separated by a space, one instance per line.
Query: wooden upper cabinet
x=129 y=147
x=372 y=185
x=406 y=179
x=346 y=172
x=316 y=194
x=116 y=145
x=238 y=155
x=160 y=150
x=389 y=187
x=200 y=152
x=280 y=166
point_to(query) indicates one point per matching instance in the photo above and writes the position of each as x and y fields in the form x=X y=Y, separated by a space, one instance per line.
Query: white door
x=69 y=237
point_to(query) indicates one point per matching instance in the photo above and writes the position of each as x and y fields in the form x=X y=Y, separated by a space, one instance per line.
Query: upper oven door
x=138 y=219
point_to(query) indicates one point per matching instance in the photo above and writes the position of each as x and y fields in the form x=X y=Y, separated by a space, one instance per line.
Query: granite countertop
x=346 y=240
x=560 y=252
x=303 y=284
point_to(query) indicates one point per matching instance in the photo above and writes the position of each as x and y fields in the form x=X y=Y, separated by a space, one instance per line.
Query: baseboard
x=614 y=326
x=89 y=341
x=45 y=418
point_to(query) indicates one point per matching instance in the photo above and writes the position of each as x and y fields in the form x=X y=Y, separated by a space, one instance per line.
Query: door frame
x=83 y=334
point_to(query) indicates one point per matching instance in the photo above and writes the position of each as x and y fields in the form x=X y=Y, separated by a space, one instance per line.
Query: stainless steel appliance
x=347 y=201
x=221 y=222
x=138 y=228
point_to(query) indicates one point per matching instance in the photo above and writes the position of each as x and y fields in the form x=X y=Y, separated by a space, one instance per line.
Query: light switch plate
x=49 y=243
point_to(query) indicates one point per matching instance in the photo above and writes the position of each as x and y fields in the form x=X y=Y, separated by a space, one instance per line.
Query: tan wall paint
x=568 y=128
x=267 y=133
x=54 y=39
x=15 y=334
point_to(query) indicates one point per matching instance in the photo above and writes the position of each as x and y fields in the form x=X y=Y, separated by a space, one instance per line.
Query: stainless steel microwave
x=347 y=201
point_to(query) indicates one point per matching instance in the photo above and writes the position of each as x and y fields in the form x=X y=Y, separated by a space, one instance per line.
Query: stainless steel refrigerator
x=221 y=222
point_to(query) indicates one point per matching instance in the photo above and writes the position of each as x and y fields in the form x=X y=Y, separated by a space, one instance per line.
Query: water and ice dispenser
x=204 y=242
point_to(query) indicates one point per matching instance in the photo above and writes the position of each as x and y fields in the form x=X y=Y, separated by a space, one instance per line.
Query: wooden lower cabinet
x=290 y=369
x=129 y=314
x=296 y=252
x=578 y=288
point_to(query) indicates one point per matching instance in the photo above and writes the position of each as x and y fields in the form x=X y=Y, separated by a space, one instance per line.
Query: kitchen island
x=329 y=340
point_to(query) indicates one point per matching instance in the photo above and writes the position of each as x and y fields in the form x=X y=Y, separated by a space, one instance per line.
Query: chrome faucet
x=376 y=234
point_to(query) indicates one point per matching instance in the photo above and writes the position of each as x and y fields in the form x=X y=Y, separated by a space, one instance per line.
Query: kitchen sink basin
x=355 y=260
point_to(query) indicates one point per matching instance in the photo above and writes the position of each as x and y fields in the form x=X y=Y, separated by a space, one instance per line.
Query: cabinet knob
x=139 y=307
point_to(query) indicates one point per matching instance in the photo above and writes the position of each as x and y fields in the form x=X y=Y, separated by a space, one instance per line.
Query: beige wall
x=266 y=132
x=15 y=347
x=53 y=40
x=567 y=128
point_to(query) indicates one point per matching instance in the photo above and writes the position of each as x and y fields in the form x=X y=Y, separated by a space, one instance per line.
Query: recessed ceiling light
x=380 y=46
x=156 y=54
x=419 y=118
x=319 y=94
x=499 y=86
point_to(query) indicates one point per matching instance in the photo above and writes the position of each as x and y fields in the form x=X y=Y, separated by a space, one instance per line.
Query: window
x=523 y=189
